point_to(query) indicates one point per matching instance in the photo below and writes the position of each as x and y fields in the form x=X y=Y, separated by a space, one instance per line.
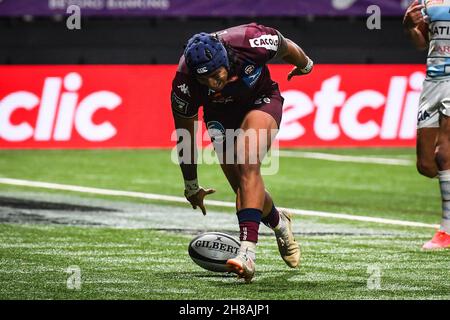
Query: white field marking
x=344 y=158
x=153 y=196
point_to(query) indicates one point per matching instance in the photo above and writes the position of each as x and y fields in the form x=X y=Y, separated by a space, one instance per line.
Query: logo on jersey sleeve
x=185 y=89
x=179 y=105
x=268 y=41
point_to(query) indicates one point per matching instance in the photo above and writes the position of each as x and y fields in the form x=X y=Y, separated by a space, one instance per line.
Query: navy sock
x=272 y=219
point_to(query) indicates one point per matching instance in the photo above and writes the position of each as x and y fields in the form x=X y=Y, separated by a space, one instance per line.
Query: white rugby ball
x=211 y=250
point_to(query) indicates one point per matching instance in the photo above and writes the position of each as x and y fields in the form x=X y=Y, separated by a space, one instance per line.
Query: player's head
x=207 y=58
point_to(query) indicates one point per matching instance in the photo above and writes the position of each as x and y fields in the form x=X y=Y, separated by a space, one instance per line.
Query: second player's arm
x=419 y=36
x=416 y=26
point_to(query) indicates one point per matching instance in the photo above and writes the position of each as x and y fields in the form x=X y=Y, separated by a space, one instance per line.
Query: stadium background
x=153 y=44
x=104 y=90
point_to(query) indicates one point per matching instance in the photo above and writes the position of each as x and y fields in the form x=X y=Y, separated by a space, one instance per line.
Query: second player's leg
x=442 y=237
x=443 y=144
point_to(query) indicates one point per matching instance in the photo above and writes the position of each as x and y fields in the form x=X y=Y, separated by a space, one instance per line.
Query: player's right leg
x=280 y=221
x=441 y=239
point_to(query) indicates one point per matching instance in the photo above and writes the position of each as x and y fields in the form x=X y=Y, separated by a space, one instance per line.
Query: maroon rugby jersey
x=253 y=45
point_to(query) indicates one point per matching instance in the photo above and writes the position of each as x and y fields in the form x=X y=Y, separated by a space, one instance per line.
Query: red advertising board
x=123 y=106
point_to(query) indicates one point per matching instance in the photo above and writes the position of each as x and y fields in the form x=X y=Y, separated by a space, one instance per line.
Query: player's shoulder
x=244 y=32
x=255 y=28
x=253 y=41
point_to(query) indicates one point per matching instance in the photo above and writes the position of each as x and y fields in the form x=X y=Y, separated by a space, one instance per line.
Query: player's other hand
x=196 y=200
x=413 y=15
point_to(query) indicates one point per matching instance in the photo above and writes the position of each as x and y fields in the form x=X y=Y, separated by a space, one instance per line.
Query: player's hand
x=196 y=200
x=413 y=15
x=300 y=71
x=296 y=71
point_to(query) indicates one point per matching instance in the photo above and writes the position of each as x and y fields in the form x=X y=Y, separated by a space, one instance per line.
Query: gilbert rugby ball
x=211 y=250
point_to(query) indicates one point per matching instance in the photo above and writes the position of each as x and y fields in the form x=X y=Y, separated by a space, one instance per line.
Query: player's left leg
x=442 y=237
x=279 y=221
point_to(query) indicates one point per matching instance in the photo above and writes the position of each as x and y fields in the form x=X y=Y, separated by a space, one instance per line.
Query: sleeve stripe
x=281 y=43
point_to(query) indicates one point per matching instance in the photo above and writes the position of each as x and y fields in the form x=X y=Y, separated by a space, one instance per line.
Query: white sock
x=444 y=183
x=248 y=248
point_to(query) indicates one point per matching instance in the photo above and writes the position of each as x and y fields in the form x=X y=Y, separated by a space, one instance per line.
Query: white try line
x=345 y=158
x=160 y=197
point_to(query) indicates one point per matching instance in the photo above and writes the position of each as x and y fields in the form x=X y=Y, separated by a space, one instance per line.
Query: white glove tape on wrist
x=308 y=67
x=190 y=187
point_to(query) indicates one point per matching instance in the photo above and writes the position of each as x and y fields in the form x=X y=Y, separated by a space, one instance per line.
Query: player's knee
x=427 y=168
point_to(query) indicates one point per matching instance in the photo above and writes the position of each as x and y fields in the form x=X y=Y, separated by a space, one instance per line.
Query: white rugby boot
x=287 y=246
x=243 y=266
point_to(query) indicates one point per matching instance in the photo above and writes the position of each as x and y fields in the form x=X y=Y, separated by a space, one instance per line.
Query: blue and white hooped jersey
x=438 y=60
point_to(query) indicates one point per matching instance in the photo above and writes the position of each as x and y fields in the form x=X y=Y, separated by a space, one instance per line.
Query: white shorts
x=434 y=100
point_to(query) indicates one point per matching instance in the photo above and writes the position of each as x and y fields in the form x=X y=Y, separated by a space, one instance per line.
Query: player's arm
x=415 y=25
x=186 y=148
x=291 y=53
x=187 y=157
